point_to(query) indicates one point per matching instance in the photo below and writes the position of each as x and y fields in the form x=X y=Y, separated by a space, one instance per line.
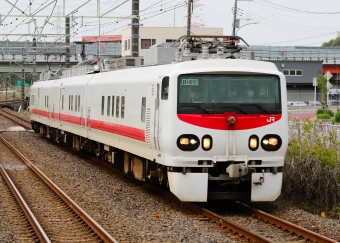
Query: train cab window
x=113 y=106
x=108 y=105
x=122 y=107
x=165 y=88
x=143 y=110
x=117 y=106
x=220 y=93
x=103 y=102
x=62 y=102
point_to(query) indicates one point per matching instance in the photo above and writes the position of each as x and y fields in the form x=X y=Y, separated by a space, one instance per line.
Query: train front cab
x=234 y=168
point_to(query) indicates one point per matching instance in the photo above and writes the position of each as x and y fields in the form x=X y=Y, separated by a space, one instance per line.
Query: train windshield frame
x=221 y=93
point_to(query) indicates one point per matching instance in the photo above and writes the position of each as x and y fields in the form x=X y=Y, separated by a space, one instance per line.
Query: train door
x=152 y=116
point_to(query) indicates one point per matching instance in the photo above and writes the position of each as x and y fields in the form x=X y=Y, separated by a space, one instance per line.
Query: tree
x=322 y=85
x=332 y=43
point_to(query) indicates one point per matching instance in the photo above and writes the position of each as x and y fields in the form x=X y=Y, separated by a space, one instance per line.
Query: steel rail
x=243 y=233
x=101 y=232
x=307 y=234
x=5 y=114
x=226 y=224
x=24 y=207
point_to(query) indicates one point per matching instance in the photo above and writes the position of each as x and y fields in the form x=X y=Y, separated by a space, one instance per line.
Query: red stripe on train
x=220 y=122
x=126 y=131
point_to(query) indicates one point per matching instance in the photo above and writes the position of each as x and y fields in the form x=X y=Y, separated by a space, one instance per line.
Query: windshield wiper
x=182 y=106
x=233 y=106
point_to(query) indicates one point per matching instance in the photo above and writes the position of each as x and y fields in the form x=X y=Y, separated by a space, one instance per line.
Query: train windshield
x=220 y=93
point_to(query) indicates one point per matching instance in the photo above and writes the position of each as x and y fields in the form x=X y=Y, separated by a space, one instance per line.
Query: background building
x=149 y=36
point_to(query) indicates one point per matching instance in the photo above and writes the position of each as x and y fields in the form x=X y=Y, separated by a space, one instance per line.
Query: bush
x=323 y=116
x=336 y=118
x=312 y=165
x=330 y=113
x=319 y=111
x=324 y=111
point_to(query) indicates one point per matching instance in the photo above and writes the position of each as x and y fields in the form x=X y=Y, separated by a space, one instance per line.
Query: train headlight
x=253 y=142
x=188 y=142
x=184 y=141
x=271 y=142
x=206 y=142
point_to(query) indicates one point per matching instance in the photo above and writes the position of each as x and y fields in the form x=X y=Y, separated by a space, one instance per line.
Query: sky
x=262 y=22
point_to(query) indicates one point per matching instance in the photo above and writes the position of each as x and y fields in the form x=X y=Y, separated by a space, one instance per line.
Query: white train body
x=165 y=123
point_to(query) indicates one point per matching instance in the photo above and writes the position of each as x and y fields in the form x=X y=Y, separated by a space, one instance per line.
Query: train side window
x=143 y=110
x=62 y=102
x=165 y=88
x=117 y=106
x=76 y=104
x=108 y=105
x=46 y=101
x=71 y=102
x=122 y=107
x=103 y=102
x=113 y=106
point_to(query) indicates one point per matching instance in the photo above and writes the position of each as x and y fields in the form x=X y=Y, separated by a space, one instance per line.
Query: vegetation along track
x=60 y=217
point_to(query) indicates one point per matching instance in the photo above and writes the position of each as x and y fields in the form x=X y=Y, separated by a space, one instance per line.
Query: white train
x=209 y=129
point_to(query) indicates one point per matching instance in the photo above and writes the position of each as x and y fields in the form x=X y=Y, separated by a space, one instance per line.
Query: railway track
x=16 y=118
x=287 y=232
x=11 y=215
x=284 y=230
x=61 y=219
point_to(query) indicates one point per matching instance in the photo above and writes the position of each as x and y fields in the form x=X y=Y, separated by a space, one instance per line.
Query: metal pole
x=189 y=18
x=34 y=60
x=67 y=42
x=6 y=86
x=23 y=90
x=234 y=22
x=14 y=100
x=135 y=29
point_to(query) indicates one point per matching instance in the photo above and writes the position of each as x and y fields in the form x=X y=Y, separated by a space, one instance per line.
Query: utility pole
x=189 y=18
x=6 y=85
x=67 y=42
x=135 y=29
x=23 y=91
x=34 y=45
x=234 y=22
